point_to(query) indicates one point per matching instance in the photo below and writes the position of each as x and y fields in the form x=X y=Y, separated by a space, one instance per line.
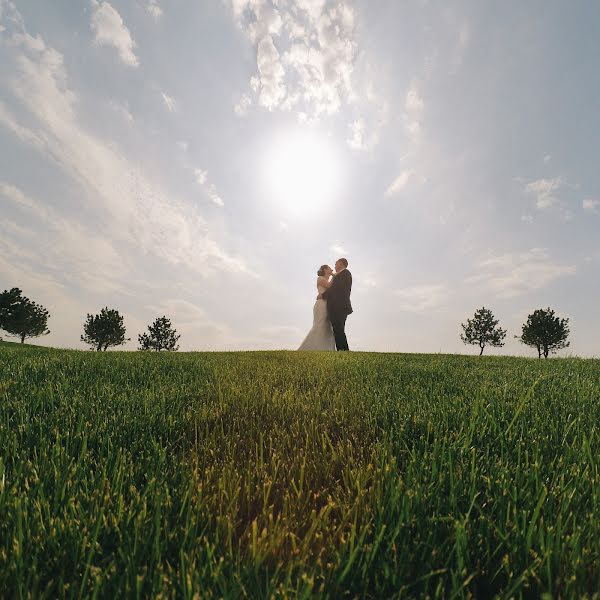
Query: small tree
x=545 y=332
x=104 y=330
x=160 y=336
x=21 y=317
x=482 y=330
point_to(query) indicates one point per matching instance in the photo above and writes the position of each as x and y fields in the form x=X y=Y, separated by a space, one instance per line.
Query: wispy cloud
x=241 y=107
x=201 y=176
x=14 y=194
x=122 y=110
x=399 y=183
x=414 y=105
x=421 y=298
x=153 y=7
x=356 y=138
x=180 y=311
x=109 y=30
x=362 y=286
x=168 y=101
x=591 y=205
x=544 y=191
x=512 y=274
x=138 y=210
x=211 y=190
x=73 y=253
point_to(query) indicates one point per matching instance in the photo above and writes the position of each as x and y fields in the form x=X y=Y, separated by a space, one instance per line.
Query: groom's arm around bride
x=338 y=302
x=338 y=294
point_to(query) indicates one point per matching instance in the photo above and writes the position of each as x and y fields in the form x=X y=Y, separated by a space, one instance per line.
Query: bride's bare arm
x=325 y=282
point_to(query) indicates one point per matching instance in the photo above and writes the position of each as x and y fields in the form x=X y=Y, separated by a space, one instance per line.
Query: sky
x=201 y=159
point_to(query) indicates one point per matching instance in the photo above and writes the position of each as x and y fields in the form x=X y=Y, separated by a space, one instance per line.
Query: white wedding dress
x=320 y=337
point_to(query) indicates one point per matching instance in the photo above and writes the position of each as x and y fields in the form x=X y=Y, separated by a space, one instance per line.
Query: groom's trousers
x=338 y=322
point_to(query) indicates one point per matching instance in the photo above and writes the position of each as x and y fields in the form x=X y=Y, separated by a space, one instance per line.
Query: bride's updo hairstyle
x=321 y=271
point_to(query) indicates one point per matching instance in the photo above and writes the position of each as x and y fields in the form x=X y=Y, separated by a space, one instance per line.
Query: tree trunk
x=481 y=351
x=99 y=348
x=22 y=338
x=539 y=352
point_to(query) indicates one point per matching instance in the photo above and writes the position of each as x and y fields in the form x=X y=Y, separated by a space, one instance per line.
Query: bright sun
x=302 y=172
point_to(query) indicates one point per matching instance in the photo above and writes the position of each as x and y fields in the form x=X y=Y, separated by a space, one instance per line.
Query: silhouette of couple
x=331 y=309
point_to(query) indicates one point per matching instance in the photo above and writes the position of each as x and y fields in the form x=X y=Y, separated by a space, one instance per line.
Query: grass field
x=280 y=474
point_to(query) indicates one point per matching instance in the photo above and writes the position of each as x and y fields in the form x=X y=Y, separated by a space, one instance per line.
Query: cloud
x=133 y=207
x=547 y=158
x=512 y=274
x=109 y=30
x=241 y=106
x=591 y=205
x=72 y=252
x=211 y=190
x=414 y=102
x=14 y=194
x=271 y=74
x=180 y=311
x=192 y=322
x=154 y=9
x=338 y=250
x=399 y=183
x=364 y=131
x=356 y=139
x=43 y=288
x=421 y=298
x=414 y=105
x=364 y=286
x=260 y=19
x=169 y=102
x=214 y=196
x=308 y=63
x=200 y=176
x=305 y=53
x=544 y=191
x=122 y=110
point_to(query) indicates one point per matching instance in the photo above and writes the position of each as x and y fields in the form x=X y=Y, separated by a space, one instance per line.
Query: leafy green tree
x=104 y=330
x=545 y=332
x=482 y=330
x=21 y=317
x=160 y=336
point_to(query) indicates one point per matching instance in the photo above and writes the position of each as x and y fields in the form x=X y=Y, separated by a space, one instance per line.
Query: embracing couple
x=331 y=309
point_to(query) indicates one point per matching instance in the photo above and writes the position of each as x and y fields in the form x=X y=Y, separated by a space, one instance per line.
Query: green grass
x=295 y=475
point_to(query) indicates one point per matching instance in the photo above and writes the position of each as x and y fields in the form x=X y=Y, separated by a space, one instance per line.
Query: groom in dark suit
x=338 y=302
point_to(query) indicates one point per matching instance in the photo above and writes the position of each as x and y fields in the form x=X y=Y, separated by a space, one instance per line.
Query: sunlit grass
x=297 y=474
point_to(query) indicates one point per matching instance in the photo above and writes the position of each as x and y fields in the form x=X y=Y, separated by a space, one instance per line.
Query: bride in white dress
x=320 y=337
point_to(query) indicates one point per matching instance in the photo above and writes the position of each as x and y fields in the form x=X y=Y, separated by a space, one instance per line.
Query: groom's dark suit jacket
x=338 y=295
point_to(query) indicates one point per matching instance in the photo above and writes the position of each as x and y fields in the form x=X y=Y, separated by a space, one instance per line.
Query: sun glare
x=302 y=172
